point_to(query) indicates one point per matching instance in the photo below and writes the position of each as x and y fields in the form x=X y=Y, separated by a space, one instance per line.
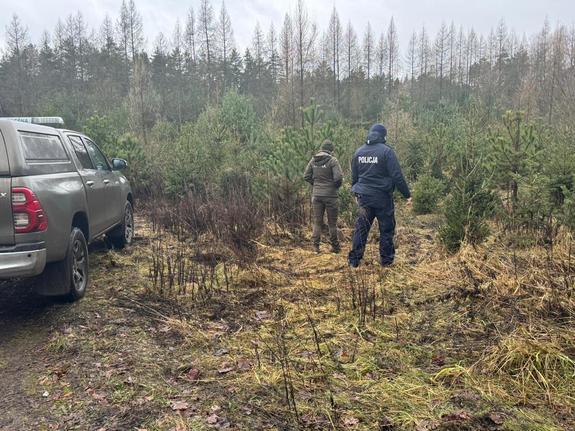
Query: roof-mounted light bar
x=43 y=121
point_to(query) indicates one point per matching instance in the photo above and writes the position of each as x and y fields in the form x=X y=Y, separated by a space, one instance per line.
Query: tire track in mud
x=27 y=322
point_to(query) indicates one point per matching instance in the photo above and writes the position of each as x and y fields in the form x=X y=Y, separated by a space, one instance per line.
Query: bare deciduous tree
x=287 y=59
x=272 y=56
x=305 y=33
x=207 y=31
x=190 y=39
x=441 y=56
x=351 y=50
x=258 y=50
x=392 y=54
x=412 y=56
x=335 y=41
x=226 y=42
x=368 y=51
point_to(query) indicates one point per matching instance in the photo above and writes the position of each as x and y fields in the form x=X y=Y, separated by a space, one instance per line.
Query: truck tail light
x=29 y=216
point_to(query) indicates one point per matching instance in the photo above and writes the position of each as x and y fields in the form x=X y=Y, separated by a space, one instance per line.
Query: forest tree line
x=76 y=71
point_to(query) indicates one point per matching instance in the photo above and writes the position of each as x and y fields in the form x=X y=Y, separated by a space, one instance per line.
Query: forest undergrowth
x=479 y=340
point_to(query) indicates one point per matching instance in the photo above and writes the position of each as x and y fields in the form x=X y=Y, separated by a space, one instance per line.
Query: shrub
x=139 y=170
x=426 y=194
x=466 y=211
x=238 y=116
x=414 y=158
x=228 y=214
x=347 y=205
x=568 y=209
x=100 y=129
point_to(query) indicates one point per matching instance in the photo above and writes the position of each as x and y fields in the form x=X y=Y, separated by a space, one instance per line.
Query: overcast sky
x=525 y=16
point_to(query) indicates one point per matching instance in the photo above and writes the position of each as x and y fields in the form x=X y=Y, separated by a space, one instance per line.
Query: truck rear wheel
x=123 y=235
x=69 y=277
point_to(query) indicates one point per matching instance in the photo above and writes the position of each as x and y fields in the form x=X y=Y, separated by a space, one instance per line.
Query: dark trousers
x=320 y=206
x=385 y=214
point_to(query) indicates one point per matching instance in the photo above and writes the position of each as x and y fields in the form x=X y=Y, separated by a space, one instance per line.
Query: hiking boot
x=316 y=248
x=335 y=249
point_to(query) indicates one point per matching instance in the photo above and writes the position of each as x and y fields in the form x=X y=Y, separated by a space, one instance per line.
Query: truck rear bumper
x=22 y=261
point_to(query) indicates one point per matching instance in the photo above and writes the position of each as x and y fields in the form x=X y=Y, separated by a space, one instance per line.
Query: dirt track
x=26 y=322
x=59 y=362
x=29 y=323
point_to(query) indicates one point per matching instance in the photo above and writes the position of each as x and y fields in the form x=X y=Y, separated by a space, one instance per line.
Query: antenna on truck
x=43 y=121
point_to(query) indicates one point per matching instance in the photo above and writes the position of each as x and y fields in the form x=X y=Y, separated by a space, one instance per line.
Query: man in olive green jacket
x=324 y=173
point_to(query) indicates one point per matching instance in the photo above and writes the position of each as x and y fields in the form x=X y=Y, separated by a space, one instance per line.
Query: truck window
x=81 y=152
x=38 y=147
x=98 y=158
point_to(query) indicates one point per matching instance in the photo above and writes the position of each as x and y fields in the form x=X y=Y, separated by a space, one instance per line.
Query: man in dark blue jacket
x=375 y=175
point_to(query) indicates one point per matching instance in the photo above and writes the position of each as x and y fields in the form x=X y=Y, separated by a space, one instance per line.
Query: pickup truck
x=58 y=192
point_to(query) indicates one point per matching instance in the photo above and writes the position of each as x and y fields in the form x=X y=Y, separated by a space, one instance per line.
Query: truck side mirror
x=119 y=164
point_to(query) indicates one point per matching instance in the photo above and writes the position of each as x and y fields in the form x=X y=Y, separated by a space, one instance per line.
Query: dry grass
x=537 y=362
x=479 y=340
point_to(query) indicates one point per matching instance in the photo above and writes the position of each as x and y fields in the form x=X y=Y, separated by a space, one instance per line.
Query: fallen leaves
x=344 y=356
x=262 y=315
x=457 y=416
x=215 y=420
x=98 y=396
x=226 y=367
x=350 y=421
x=244 y=365
x=426 y=425
x=438 y=359
x=180 y=406
x=192 y=375
x=386 y=424
x=221 y=352
x=496 y=418
x=212 y=419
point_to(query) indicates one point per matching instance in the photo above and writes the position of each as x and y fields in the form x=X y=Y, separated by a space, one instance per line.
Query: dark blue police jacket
x=376 y=173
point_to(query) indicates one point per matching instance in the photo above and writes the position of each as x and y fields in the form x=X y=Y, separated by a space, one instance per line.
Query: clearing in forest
x=481 y=340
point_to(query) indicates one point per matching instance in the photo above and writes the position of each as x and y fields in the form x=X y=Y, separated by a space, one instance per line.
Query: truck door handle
x=106 y=181
x=90 y=183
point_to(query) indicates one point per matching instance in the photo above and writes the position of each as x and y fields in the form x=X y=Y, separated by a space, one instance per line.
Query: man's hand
x=409 y=202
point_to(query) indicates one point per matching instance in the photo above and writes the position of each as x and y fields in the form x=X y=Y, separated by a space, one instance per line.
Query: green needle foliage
x=427 y=192
x=466 y=213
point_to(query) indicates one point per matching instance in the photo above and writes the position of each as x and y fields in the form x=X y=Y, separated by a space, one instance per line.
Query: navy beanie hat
x=377 y=134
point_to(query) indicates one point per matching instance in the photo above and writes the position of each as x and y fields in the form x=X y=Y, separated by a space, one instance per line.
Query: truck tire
x=123 y=235
x=68 y=278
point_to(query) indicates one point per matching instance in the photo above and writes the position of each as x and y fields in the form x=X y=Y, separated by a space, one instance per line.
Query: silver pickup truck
x=58 y=192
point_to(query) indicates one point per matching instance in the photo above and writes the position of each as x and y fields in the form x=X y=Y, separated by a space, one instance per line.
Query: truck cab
x=58 y=192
